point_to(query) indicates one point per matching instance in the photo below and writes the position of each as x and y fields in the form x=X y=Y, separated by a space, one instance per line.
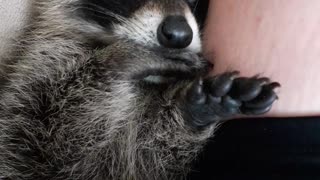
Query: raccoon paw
x=225 y=95
x=256 y=94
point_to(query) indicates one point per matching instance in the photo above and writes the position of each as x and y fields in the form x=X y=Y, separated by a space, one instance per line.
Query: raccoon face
x=165 y=24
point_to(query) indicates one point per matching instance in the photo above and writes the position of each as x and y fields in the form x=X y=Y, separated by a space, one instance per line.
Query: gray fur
x=69 y=111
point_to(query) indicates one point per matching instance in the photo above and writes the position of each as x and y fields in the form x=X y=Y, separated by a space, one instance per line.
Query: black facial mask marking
x=100 y=11
x=200 y=10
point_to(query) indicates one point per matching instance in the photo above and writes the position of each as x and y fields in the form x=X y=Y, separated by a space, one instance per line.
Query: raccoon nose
x=175 y=32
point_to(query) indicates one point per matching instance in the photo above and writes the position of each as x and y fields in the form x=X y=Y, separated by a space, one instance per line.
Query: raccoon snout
x=175 y=32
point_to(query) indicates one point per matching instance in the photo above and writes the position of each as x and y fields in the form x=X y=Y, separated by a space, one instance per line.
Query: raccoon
x=114 y=89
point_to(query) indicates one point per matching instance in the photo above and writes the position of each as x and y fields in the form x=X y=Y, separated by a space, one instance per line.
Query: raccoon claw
x=223 y=96
x=195 y=94
x=261 y=103
x=219 y=86
x=246 y=89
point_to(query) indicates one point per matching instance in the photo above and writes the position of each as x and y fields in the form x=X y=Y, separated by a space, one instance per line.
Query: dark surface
x=262 y=149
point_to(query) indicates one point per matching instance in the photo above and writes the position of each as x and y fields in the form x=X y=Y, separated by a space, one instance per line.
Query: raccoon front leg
x=224 y=96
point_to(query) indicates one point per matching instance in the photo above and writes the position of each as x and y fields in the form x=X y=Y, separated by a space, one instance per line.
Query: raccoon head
x=151 y=23
x=168 y=28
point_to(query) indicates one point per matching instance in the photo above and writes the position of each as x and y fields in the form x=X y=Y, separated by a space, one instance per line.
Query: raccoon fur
x=98 y=89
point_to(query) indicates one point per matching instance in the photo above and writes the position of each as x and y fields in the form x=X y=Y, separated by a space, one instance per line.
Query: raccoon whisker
x=141 y=26
x=94 y=8
x=125 y=22
x=107 y=13
x=195 y=6
x=138 y=24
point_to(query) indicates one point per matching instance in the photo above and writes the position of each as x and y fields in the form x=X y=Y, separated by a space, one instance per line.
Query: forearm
x=275 y=38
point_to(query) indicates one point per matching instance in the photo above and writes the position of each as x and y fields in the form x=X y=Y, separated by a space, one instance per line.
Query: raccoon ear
x=200 y=9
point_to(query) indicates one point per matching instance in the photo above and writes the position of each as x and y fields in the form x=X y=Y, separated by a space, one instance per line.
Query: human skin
x=274 y=38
